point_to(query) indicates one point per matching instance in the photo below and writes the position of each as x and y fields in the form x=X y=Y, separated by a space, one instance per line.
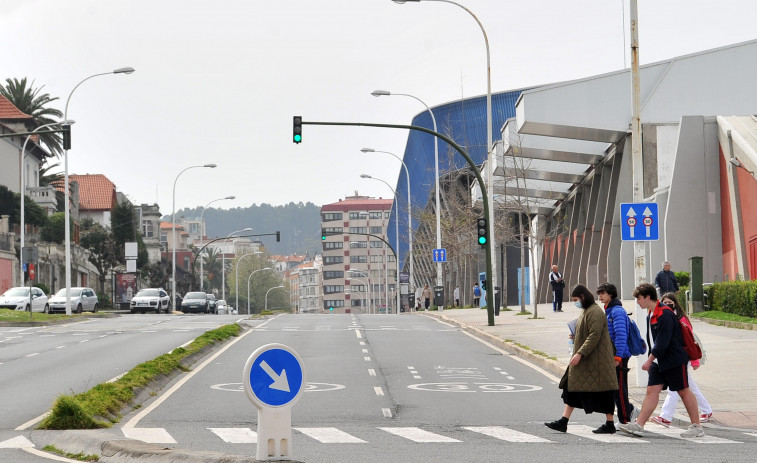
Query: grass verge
x=73 y=456
x=20 y=316
x=525 y=347
x=101 y=406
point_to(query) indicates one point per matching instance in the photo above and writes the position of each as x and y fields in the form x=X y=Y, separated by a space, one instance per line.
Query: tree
x=99 y=241
x=30 y=101
x=10 y=204
x=46 y=178
x=54 y=231
x=212 y=265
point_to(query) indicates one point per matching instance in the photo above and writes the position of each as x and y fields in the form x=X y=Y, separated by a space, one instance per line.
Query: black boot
x=607 y=428
x=559 y=425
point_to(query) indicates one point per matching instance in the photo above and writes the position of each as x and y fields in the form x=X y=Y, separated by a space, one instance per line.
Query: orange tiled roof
x=9 y=111
x=96 y=192
x=167 y=226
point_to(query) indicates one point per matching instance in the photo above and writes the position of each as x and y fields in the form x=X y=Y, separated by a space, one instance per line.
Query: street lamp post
x=236 y=276
x=202 y=231
x=396 y=237
x=248 y=287
x=67 y=213
x=377 y=93
x=22 y=188
x=173 y=231
x=223 y=261
x=371 y=283
x=489 y=147
x=266 y=294
x=409 y=214
x=367 y=294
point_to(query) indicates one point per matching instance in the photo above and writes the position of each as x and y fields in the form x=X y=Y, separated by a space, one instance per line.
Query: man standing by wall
x=666 y=281
x=557 y=283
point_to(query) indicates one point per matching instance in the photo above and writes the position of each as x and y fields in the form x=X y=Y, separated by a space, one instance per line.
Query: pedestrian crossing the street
x=464 y=434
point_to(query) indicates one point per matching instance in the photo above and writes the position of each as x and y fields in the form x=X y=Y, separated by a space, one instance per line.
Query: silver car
x=81 y=299
x=150 y=299
x=17 y=298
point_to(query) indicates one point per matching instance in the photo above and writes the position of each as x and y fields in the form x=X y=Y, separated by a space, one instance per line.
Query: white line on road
x=675 y=433
x=330 y=436
x=357 y=333
x=378 y=390
x=86 y=340
x=418 y=435
x=416 y=377
x=49 y=456
x=365 y=351
x=60 y=347
x=586 y=431
x=31 y=423
x=371 y=372
x=518 y=359
x=236 y=435
x=367 y=359
x=387 y=413
x=32 y=355
x=411 y=368
x=362 y=343
x=505 y=434
x=149 y=435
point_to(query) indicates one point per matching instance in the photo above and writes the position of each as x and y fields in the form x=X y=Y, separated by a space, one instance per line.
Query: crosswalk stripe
x=675 y=433
x=330 y=436
x=236 y=435
x=418 y=435
x=585 y=431
x=505 y=434
x=18 y=442
x=149 y=435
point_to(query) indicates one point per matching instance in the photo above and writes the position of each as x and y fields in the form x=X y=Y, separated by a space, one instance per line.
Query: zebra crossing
x=333 y=435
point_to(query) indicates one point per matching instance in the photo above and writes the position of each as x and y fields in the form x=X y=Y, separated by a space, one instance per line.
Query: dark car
x=212 y=303
x=195 y=302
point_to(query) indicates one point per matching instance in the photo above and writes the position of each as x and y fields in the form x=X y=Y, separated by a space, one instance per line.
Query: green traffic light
x=297 y=138
x=481 y=240
x=323 y=237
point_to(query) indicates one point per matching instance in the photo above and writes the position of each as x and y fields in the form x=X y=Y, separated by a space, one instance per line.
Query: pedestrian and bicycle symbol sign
x=440 y=255
x=274 y=376
x=639 y=222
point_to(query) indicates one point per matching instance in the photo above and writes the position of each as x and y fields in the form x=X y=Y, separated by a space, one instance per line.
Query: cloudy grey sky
x=219 y=81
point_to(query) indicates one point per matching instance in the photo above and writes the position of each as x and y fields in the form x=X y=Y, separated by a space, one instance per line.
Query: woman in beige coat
x=591 y=377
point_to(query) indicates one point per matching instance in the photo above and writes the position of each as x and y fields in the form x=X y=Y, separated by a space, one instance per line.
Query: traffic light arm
x=366 y=234
x=474 y=168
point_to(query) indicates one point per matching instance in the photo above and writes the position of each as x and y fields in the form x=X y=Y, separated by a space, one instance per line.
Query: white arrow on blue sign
x=440 y=255
x=273 y=376
x=639 y=222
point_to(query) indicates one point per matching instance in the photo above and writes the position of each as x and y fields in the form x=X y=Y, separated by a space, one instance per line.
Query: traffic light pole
x=476 y=171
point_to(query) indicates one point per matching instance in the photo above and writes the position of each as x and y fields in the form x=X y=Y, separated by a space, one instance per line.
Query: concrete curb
x=727 y=323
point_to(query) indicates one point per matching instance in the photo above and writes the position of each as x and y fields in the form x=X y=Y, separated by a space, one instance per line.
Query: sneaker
x=695 y=430
x=607 y=428
x=558 y=425
x=634 y=413
x=705 y=417
x=632 y=428
x=661 y=421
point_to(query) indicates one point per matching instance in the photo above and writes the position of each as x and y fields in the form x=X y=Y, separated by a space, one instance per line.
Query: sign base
x=274 y=434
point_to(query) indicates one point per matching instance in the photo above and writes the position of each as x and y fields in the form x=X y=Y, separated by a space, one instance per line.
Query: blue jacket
x=617 y=324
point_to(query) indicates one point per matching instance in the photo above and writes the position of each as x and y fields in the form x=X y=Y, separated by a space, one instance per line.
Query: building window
x=358 y=259
x=377 y=229
x=329 y=216
x=164 y=238
x=375 y=215
x=359 y=229
x=333 y=274
x=333 y=303
x=332 y=230
x=333 y=260
x=357 y=288
x=354 y=215
x=377 y=259
x=387 y=214
x=358 y=244
x=377 y=244
x=332 y=289
x=333 y=245
x=356 y=302
x=147 y=230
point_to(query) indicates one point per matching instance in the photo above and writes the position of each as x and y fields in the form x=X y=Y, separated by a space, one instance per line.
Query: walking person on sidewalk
x=476 y=295
x=426 y=295
x=666 y=363
x=617 y=325
x=671 y=401
x=591 y=380
x=456 y=295
x=666 y=281
x=557 y=283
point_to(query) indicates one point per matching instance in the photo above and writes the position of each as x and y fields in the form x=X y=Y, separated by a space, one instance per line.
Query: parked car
x=81 y=299
x=221 y=307
x=17 y=298
x=212 y=303
x=195 y=302
x=150 y=299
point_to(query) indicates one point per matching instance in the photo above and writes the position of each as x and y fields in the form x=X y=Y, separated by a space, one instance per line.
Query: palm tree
x=212 y=265
x=47 y=178
x=29 y=100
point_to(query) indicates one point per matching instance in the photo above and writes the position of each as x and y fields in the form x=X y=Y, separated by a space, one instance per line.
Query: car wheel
x=27 y=308
x=78 y=308
x=132 y=311
x=95 y=309
x=47 y=308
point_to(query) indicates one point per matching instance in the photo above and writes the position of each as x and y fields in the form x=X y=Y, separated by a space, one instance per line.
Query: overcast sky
x=219 y=81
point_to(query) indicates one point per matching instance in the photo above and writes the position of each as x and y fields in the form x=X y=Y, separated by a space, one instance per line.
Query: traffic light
x=483 y=285
x=66 y=136
x=297 y=129
x=323 y=234
x=483 y=231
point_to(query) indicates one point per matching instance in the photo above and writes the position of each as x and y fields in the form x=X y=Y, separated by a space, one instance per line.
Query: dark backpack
x=636 y=344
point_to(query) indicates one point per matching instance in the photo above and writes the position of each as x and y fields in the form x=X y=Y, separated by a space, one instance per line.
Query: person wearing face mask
x=590 y=381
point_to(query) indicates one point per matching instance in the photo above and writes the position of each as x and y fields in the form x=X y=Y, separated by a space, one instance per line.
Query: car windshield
x=13 y=292
x=147 y=293
x=194 y=296
x=211 y=297
x=74 y=292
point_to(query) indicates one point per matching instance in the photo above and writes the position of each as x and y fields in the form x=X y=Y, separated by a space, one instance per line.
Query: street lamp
x=266 y=294
x=173 y=231
x=409 y=212
x=396 y=238
x=223 y=261
x=490 y=157
x=22 y=186
x=202 y=231
x=368 y=277
x=248 y=287
x=377 y=93
x=236 y=275
x=67 y=214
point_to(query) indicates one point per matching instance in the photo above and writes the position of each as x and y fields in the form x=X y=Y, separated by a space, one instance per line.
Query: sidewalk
x=728 y=379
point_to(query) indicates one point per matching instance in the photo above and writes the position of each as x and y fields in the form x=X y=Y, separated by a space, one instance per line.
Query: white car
x=17 y=298
x=221 y=307
x=150 y=299
x=81 y=299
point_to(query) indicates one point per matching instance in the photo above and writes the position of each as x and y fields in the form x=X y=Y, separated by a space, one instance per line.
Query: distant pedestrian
x=426 y=295
x=617 y=325
x=456 y=296
x=671 y=401
x=666 y=363
x=558 y=283
x=476 y=295
x=666 y=281
x=589 y=381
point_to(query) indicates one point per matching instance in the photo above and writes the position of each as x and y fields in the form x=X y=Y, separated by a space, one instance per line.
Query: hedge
x=736 y=297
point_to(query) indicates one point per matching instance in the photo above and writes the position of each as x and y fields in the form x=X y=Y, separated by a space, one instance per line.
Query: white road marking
x=585 y=431
x=330 y=436
x=149 y=435
x=416 y=377
x=48 y=456
x=86 y=340
x=32 y=422
x=60 y=347
x=362 y=343
x=675 y=433
x=411 y=368
x=516 y=358
x=387 y=413
x=418 y=435
x=18 y=442
x=371 y=372
x=357 y=333
x=236 y=435
x=505 y=434
x=497 y=368
x=414 y=372
x=365 y=351
x=378 y=390
x=367 y=359
x=32 y=355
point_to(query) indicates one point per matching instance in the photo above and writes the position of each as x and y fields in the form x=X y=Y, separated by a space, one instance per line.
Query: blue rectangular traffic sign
x=440 y=255
x=639 y=222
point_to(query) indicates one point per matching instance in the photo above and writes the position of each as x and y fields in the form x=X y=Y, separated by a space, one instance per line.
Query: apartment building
x=358 y=269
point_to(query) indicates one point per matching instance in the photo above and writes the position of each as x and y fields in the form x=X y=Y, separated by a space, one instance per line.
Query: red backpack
x=690 y=344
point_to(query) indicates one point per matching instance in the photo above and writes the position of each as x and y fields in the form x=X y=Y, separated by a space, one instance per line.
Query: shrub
x=104 y=300
x=43 y=287
x=683 y=278
x=736 y=297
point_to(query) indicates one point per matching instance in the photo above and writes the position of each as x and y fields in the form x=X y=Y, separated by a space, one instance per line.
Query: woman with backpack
x=671 y=401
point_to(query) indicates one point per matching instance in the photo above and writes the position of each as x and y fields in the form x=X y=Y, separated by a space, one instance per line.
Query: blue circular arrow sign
x=273 y=376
